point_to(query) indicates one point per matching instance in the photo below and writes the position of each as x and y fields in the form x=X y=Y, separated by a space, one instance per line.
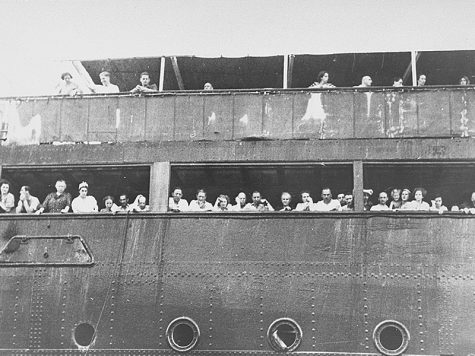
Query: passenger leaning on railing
x=67 y=86
x=382 y=200
x=322 y=81
x=57 y=202
x=176 y=203
x=7 y=200
x=107 y=86
x=286 y=198
x=258 y=203
x=27 y=203
x=84 y=203
x=200 y=204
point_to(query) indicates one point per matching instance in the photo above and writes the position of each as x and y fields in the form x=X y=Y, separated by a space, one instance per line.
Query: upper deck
x=223 y=115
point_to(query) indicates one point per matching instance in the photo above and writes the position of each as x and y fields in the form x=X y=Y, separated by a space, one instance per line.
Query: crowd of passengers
x=69 y=87
x=401 y=199
x=61 y=201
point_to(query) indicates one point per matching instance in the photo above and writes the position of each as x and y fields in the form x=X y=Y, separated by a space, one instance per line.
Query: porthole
x=391 y=338
x=84 y=334
x=284 y=335
x=183 y=334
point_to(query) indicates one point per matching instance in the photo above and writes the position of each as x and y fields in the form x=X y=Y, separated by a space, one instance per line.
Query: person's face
x=109 y=203
x=438 y=202
x=383 y=198
x=242 y=198
x=67 y=79
x=285 y=198
x=223 y=203
x=349 y=198
x=201 y=197
x=145 y=80
x=405 y=195
x=473 y=198
x=177 y=194
x=208 y=86
x=325 y=78
x=365 y=197
x=123 y=200
x=305 y=197
x=256 y=197
x=418 y=195
x=326 y=195
x=24 y=193
x=142 y=203
x=83 y=192
x=4 y=188
x=398 y=83
x=105 y=79
x=60 y=187
x=463 y=81
x=422 y=80
x=367 y=81
x=341 y=197
x=395 y=194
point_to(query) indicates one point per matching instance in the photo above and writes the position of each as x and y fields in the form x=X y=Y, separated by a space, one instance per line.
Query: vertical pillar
x=358 y=185
x=159 y=186
x=162 y=74
x=286 y=71
x=0 y=171
x=414 y=68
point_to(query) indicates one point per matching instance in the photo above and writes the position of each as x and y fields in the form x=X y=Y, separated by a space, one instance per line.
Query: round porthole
x=84 y=334
x=182 y=334
x=284 y=335
x=391 y=337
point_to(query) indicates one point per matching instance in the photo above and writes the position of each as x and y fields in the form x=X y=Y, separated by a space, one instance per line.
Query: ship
x=243 y=283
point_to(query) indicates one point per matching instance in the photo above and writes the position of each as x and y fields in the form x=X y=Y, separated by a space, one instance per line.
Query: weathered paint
x=338 y=275
x=340 y=114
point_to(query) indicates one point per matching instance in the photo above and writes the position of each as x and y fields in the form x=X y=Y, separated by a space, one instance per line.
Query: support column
x=159 y=186
x=414 y=58
x=358 y=185
x=162 y=74
x=285 y=71
x=0 y=171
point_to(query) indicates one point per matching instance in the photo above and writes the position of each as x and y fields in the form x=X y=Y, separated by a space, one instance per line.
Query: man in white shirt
x=107 y=86
x=382 y=199
x=258 y=203
x=176 y=203
x=200 y=204
x=327 y=203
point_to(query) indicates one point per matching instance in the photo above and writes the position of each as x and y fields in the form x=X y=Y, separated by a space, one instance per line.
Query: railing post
x=358 y=185
x=159 y=186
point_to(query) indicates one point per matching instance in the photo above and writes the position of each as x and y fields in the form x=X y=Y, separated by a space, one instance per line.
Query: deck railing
x=342 y=113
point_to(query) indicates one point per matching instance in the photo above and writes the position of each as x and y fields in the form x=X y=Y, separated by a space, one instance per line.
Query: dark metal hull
x=337 y=275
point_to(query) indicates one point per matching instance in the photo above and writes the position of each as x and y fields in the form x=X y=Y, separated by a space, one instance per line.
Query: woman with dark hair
x=322 y=81
x=7 y=200
x=464 y=80
x=418 y=203
x=68 y=87
x=108 y=204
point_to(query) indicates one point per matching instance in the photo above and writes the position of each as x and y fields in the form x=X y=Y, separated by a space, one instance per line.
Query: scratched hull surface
x=337 y=276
